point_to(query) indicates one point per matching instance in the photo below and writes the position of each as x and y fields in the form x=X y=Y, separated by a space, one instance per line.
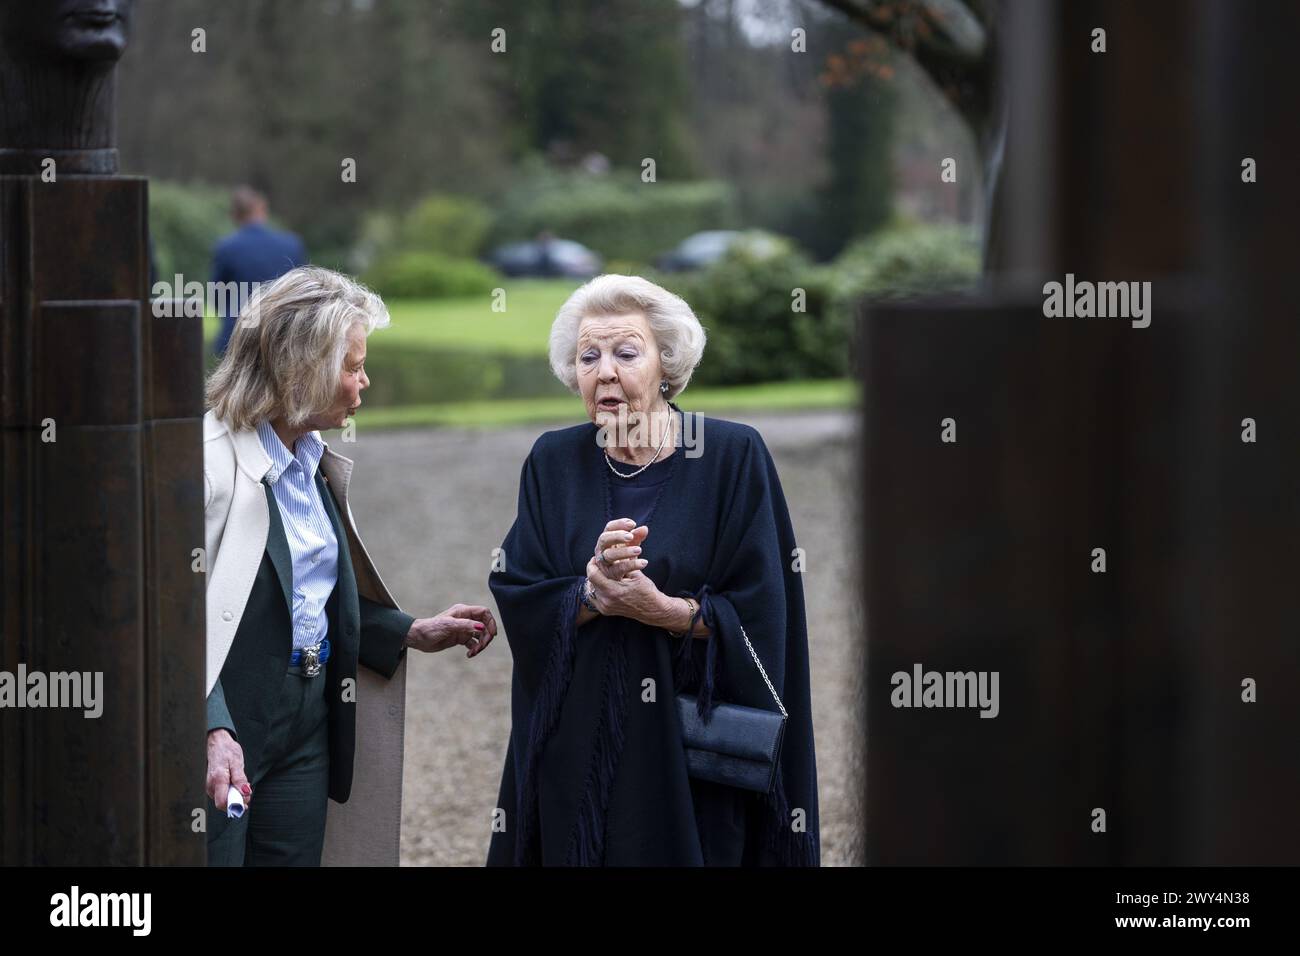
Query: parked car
x=705 y=248
x=546 y=257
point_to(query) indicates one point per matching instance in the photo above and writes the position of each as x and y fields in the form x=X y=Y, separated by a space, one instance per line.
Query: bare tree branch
x=951 y=40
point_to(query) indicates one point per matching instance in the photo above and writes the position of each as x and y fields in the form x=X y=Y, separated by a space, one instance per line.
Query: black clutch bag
x=739 y=746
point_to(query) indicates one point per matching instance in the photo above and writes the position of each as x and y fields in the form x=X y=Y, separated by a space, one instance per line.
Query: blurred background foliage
x=459 y=150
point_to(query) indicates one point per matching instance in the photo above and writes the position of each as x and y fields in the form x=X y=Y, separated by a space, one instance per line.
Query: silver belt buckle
x=311 y=661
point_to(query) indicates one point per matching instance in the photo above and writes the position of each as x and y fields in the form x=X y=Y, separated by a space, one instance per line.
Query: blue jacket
x=253 y=253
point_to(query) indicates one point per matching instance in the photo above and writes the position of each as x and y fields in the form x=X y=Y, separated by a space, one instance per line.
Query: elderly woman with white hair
x=294 y=603
x=650 y=592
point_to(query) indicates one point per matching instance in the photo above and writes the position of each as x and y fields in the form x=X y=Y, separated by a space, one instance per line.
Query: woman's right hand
x=621 y=544
x=226 y=768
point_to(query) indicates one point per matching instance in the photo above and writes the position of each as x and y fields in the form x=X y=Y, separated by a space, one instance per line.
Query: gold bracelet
x=694 y=607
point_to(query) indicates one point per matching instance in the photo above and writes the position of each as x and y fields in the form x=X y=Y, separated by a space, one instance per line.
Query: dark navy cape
x=595 y=774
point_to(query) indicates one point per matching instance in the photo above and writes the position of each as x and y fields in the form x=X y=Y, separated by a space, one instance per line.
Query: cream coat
x=367 y=829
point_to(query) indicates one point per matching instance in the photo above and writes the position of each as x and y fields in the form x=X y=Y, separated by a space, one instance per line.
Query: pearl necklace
x=663 y=441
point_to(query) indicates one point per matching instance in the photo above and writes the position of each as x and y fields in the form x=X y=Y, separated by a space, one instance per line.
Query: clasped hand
x=618 y=586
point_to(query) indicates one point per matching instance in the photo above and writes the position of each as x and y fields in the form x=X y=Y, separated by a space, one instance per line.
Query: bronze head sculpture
x=87 y=30
x=57 y=67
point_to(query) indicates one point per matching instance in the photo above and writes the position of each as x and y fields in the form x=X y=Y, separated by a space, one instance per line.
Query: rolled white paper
x=234 y=804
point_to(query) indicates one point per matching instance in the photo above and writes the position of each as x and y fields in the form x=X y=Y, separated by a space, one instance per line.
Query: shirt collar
x=309 y=448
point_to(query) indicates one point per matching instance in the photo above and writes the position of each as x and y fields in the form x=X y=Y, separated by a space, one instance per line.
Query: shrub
x=185 y=222
x=418 y=275
x=615 y=214
x=747 y=306
x=910 y=261
x=451 y=225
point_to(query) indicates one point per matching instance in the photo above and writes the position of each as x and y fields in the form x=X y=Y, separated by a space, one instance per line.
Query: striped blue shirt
x=312 y=541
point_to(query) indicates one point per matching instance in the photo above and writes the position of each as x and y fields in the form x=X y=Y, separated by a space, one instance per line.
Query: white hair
x=676 y=329
x=287 y=349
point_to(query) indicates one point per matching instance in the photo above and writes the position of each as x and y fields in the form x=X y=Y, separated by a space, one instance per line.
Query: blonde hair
x=288 y=346
x=676 y=329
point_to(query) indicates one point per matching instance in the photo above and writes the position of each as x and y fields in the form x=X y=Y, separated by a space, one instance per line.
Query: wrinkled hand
x=467 y=624
x=621 y=544
x=618 y=587
x=226 y=769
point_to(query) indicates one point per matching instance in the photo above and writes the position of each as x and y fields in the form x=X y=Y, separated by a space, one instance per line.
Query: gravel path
x=456 y=491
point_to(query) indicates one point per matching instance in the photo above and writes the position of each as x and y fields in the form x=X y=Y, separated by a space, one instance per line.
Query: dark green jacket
x=360 y=632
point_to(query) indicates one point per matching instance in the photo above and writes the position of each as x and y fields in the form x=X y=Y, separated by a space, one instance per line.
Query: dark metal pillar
x=99 y=524
x=1119 y=690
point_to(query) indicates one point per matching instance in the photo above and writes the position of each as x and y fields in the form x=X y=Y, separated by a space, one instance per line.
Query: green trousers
x=284 y=824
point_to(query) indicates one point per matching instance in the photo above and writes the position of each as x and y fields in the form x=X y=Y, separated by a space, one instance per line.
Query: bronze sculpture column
x=101 y=482
x=1122 y=687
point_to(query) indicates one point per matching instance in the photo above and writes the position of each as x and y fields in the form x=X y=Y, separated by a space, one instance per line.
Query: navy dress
x=594 y=772
x=725 y=817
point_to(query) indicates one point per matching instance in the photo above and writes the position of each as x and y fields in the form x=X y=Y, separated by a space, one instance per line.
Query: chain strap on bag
x=739 y=746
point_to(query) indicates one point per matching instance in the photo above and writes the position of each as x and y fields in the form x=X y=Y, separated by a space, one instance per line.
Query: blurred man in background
x=254 y=252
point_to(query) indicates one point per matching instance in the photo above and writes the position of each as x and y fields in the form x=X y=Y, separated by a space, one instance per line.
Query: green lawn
x=523 y=328
x=776 y=396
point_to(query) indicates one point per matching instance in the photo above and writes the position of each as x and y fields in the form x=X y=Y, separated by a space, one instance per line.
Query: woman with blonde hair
x=294 y=602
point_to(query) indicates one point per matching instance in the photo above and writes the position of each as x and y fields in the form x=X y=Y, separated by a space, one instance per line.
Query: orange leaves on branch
x=866 y=56
x=885 y=12
x=905 y=22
